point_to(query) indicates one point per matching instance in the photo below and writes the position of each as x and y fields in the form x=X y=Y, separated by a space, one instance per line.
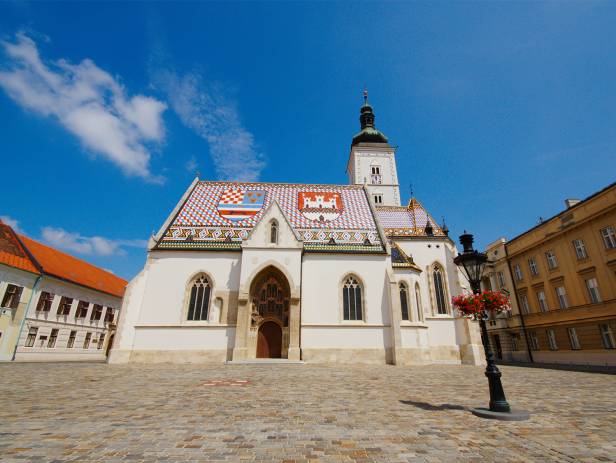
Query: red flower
x=477 y=305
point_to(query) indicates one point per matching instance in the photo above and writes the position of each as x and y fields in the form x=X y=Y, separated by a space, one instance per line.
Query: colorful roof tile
x=412 y=220
x=219 y=212
x=67 y=267
x=12 y=253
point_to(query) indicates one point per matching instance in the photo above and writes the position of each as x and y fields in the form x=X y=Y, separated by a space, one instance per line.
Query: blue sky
x=500 y=110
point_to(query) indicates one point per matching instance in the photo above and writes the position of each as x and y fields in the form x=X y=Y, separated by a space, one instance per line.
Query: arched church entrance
x=270 y=298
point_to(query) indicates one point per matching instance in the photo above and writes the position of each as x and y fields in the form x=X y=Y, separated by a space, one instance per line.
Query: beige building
x=53 y=306
x=562 y=274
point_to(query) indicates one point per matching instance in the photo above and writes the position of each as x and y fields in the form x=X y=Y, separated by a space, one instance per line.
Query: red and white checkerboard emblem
x=238 y=204
x=322 y=206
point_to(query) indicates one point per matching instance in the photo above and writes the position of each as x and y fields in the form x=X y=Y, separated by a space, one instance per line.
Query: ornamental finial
x=365 y=95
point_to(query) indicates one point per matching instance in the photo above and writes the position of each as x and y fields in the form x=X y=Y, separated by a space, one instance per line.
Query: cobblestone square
x=298 y=413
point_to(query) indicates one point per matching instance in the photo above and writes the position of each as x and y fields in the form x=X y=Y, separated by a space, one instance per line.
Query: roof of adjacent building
x=224 y=213
x=410 y=220
x=12 y=252
x=66 y=267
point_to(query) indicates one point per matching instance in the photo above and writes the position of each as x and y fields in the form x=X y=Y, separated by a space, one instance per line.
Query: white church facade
x=319 y=273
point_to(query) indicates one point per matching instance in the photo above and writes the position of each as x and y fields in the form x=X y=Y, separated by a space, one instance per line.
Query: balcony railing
x=376 y=179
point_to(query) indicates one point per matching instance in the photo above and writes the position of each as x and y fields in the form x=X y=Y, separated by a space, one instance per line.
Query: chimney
x=571 y=202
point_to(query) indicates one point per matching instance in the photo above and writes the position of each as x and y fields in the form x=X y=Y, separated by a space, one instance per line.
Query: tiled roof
x=66 y=267
x=219 y=212
x=12 y=252
x=407 y=221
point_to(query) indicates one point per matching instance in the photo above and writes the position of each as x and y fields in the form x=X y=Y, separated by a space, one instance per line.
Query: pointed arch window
x=439 y=290
x=404 y=301
x=199 y=303
x=351 y=299
x=418 y=302
x=273 y=232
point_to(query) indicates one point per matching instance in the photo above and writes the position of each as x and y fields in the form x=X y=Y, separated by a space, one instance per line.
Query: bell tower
x=372 y=161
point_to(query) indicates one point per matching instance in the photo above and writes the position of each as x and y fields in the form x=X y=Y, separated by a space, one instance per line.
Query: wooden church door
x=269 y=341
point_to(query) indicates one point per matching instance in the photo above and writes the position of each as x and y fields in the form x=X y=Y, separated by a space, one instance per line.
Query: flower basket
x=478 y=306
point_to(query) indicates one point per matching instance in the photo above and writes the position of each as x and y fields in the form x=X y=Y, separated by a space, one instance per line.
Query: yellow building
x=563 y=273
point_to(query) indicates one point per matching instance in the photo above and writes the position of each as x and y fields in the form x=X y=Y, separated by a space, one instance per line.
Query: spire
x=368 y=134
x=366 y=117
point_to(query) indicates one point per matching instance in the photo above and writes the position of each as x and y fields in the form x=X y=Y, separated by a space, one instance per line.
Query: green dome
x=369 y=135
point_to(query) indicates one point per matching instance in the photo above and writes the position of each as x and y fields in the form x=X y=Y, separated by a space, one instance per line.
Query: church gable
x=222 y=215
x=273 y=230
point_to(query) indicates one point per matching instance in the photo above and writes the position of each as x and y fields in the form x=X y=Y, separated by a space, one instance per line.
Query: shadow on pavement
x=431 y=407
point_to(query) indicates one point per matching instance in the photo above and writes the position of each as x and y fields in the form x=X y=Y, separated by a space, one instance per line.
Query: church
x=303 y=272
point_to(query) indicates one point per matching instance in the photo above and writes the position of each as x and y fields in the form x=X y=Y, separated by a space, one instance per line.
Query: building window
x=551 y=258
x=274 y=232
x=199 y=303
x=418 y=302
x=71 y=339
x=404 y=302
x=86 y=341
x=609 y=237
x=517 y=270
x=551 y=339
x=44 y=302
x=101 y=339
x=109 y=315
x=12 y=295
x=351 y=299
x=378 y=199
x=376 y=178
x=580 y=249
x=532 y=265
x=543 y=304
x=514 y=342
x=573 y=339
x=97 y=312
x=439 y=290
x=524 y=305
x=593 y=290
x=501 y=279
x=534 y=340
x=607 y=336
x=82 y=309
x=65 y=305
x=53 y=337
x=31 y=337
x=561 y=294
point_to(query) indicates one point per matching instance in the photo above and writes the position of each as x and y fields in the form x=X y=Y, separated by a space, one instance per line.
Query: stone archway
x=269 y=300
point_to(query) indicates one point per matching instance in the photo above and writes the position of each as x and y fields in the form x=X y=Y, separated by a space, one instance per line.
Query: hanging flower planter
x=478 y=306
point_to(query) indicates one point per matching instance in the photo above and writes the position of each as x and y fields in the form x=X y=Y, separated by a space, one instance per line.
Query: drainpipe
x=23 y=320
x=515 y=292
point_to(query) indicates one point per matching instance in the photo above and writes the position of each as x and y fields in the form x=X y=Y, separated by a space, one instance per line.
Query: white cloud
x=92 y=245
x=88 y=102
x=191 y=165
x=11 y=222
x=204 y=108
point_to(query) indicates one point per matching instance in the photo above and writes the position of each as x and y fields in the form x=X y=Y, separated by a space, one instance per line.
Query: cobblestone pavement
x=298 y=413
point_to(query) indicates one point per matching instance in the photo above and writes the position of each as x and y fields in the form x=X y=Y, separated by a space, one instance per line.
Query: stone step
x=264 y=362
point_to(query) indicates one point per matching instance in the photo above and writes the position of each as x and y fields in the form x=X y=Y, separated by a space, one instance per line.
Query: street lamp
x=473 y=264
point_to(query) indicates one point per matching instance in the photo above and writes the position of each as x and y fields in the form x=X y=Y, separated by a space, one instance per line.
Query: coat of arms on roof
x=237 y=204
x=321 y=206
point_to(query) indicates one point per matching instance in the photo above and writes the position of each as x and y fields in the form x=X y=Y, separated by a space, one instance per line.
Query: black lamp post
x=473 y=263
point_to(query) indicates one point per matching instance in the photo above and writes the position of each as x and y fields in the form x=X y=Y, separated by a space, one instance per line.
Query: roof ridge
x=71 y=256
x=232 y=182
